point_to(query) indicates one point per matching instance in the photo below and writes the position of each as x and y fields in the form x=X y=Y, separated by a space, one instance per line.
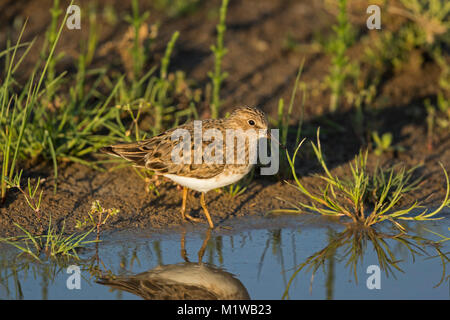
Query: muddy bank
x=123 y=189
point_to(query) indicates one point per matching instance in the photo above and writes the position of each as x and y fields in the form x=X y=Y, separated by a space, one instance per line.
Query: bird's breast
x=230 y=174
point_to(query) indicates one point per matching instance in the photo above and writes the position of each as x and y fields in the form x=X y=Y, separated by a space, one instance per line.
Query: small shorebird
x=182 y=281
x=156 y=154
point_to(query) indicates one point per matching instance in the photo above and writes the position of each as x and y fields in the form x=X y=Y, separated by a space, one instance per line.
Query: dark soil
x=261 y=70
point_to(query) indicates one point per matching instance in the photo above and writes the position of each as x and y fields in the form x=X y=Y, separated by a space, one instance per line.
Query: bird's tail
x=128 y=151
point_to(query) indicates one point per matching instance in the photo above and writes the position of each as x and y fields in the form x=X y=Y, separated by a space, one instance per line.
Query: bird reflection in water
x=182 y=281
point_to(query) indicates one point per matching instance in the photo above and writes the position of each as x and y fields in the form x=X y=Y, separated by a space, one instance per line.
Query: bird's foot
x=191 y=218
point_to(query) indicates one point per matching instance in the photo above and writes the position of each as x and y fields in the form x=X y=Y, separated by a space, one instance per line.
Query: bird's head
x=248 y=118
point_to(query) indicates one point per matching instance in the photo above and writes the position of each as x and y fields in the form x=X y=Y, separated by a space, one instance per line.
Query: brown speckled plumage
x=155 y=153
x=184 y=281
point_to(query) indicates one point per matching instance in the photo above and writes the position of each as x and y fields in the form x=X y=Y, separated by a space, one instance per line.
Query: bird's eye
x=251 y=122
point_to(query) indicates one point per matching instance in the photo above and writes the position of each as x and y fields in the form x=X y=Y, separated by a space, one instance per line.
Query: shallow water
x=263 y=254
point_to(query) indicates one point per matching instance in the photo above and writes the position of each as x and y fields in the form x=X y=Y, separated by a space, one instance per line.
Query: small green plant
x=163 y=83
x=347 y=197
x=239 y=187
x=236 y=190
x=151 y=182
x=284 y=117
x=429 y=16
x=219 y=51
x=383 y=144
x=33 y=200
x=139 y=53
x=441 y=60
x=361 y=97
x=51 y=37
x=438 y=117
x=96 y=217
x=343 y=38
x=283 y=120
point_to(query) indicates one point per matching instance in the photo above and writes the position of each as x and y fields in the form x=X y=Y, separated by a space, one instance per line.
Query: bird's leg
x=201 y=252
x=183 y=204
x=183 y=247
x=208 y=217
x=185 y=215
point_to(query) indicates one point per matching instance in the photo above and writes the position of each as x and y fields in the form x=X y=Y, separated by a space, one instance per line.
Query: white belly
x=205 y=185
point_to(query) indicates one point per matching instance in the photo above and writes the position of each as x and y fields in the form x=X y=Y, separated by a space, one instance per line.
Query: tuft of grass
x=51 y=245
x=238 y=188
x=55 y=244
x=347 y=197
x=8 y=172
x=15 y=130
x=9 y=120
x=219 y=51
x=33 y=200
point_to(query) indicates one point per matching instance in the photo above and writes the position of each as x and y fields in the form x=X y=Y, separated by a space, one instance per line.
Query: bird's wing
x=157 y=289
x=156 y=153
